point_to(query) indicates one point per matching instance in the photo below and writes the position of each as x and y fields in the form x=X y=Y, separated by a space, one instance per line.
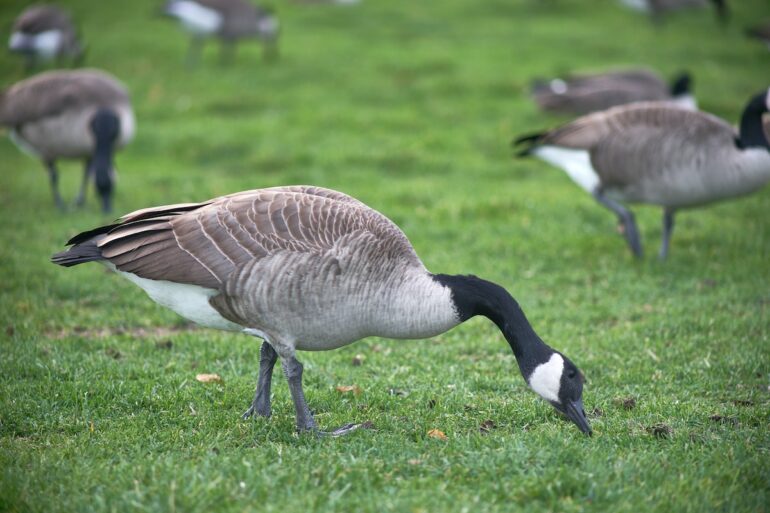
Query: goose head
x=550 y=374
x=752 y=131
x=559 y=382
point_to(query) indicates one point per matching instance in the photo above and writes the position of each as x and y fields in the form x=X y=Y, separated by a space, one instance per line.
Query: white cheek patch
x=767 y=95
x=546 y=378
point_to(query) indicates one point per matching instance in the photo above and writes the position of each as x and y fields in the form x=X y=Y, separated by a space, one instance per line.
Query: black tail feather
x=80 y=254
x=528 y=142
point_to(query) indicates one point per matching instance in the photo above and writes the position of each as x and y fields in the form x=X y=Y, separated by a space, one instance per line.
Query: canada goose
x=311 y=269
x=658 y=8
x=70 y=114
x=45 y=32
x=581 y=94
x=660 y=154
x=229 y=20
x=760 y=32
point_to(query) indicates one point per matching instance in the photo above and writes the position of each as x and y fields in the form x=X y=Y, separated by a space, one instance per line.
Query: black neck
x=752 y=133
x=473 y=296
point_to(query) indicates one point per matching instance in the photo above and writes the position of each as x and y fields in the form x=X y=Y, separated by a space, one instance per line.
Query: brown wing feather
x=53 y=92
x=204 y=243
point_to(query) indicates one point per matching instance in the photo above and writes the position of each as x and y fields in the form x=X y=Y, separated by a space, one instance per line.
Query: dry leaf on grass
x=209 y=378
x=438 y=434
x=345 y=389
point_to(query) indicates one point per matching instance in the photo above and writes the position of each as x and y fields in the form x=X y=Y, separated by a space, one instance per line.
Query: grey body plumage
x=227 y=20
x=586 y=93
x=71 y=114
x=45 y=32
x=659 y=154
x=307 y=268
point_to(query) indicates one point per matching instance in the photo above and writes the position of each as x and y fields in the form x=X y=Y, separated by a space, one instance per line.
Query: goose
x=229 y=20
x=657 y=8
x=71 y=114
x=309 y=269
x=582 y=94
x=44 y=32
x=655 y=153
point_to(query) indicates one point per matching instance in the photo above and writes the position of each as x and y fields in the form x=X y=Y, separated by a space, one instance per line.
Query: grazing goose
x=45 y=32
x=310 y=269
x=229 y=20
x=659 y=154
x=581 y=94
x=658 y=8
x=71 y=114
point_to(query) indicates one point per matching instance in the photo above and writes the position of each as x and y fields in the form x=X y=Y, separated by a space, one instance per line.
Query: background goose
x=658 y=8
x=655 y=153
x=229 y=20
x=309 y=269
x=71 y=114
x=581 y=94
x=44 y=32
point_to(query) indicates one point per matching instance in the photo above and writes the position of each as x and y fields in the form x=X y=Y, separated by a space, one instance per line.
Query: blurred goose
x=229 y=20
x=71 y=114
x=581 y=94
x=659 y=154
x=658 y=8
x=44 y=32
x=309 y=269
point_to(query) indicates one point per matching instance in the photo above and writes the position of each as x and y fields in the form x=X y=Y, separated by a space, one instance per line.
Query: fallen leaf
x=165 y=344
x=628 y=403
x=487 y=426
x=209 y=378
x=414 y=461
x=660 y=430
x=724 y=420
x=113 y=353
x=438 y=434
x=349 y=388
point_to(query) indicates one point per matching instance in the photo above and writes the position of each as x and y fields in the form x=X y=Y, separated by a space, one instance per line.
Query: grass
x=408 y=106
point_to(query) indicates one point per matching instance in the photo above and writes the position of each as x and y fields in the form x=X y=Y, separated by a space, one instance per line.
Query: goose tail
x=525 y=144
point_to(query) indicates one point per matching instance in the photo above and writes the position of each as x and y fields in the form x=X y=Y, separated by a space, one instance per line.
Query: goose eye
x=571 y=374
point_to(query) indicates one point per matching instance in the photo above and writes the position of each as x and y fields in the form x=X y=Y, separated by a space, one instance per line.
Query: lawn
x=410 y=107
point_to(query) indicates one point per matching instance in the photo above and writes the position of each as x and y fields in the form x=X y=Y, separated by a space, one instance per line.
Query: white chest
x=195 y=18
x=45 y=44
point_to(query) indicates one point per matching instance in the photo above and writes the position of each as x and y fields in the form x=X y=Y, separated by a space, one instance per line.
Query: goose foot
x=342 y=431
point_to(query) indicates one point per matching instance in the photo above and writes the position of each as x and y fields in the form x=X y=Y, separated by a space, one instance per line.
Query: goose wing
x=51 y=93
x=203 y=243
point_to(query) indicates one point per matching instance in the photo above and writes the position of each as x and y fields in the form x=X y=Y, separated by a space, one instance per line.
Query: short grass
x=408 y=106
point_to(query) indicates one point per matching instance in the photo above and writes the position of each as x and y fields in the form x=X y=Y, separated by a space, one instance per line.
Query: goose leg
x=292 y=368
x=626 y=217
x=305 y=422
x=81 y=198
x=261 y=403
x=53 y=176
x=668 y=228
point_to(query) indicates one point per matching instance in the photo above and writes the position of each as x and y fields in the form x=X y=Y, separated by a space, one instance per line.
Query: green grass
x=408 y=106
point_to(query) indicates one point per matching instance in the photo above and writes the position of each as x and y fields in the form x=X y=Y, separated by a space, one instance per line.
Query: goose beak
x=577 y=414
